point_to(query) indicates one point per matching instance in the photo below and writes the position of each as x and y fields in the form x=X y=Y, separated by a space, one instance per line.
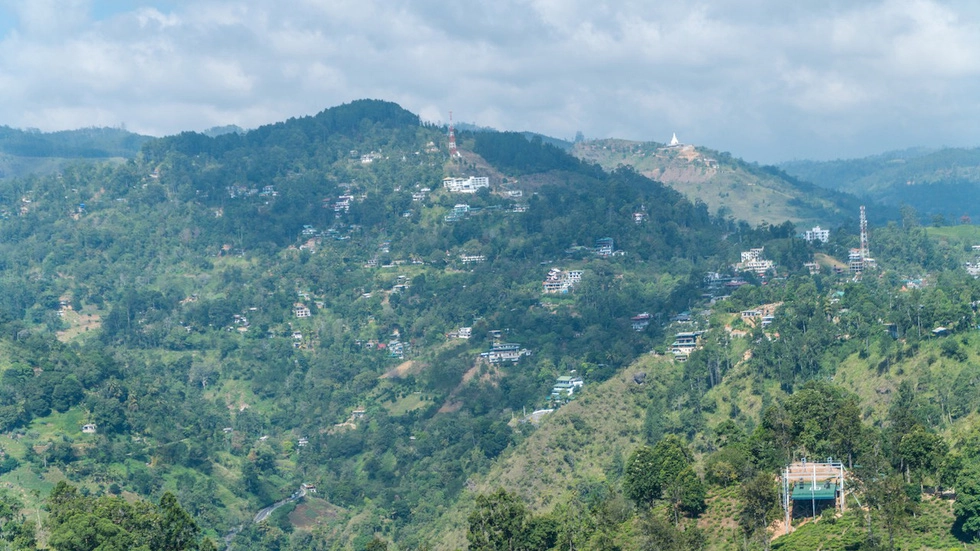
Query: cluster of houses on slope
x=764 y=314
x=561 y=281
x=973 y=268
x=721 y=285
x=640 y=322
x=472 y=258
x=604 y=247
x=236 y=190
x=421 y=194
x=461 y=333
x=562 y=392
x=472 y=185
x=394 y=348
x=341 y=205
x=369 y=158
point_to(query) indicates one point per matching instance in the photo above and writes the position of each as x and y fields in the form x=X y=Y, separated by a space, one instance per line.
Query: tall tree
x=498 y=523
x=760 y=506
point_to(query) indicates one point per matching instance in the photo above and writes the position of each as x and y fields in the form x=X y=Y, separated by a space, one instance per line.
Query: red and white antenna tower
x=453 y=152
x=864 y=235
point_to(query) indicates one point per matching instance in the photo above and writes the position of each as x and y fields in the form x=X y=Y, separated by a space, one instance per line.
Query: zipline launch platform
x=809 y=487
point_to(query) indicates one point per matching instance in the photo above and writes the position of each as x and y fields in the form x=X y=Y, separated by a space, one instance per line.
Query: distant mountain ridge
x=25 y=152
x=88 y=143
x=942 y=183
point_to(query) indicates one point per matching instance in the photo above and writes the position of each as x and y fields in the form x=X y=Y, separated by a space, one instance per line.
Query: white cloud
x=764 y=79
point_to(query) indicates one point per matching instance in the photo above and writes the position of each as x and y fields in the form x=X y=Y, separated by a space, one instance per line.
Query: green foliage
x=15 y=529
x=820 y=420
x=664 y=471
x=922 y=452
x=499 y=522
x=759 y=506
x=641 y=481
x=520 y=155
x=78 y=523
x=661 y=535
x=967 y=506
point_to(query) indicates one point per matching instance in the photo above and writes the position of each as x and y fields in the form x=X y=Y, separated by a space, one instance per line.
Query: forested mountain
x=942 y=185
x=302 y=337
x=729 y=186
x=25 y=152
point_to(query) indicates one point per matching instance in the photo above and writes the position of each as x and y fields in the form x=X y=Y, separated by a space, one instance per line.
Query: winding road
x=264 y=513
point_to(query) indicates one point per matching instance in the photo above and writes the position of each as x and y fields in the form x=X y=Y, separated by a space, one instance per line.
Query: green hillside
x=297 y=283
x=302 y=337
x=577 y=458
x=729 y=186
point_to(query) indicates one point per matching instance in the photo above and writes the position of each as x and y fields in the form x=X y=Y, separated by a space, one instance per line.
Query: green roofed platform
x=806 y=490
x=809 y=487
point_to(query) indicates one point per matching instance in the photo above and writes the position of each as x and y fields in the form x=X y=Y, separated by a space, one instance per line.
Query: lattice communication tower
x=453 y=152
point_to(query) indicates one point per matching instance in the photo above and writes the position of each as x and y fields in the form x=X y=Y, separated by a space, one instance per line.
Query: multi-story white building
x=817 y=234
x=752 y=261
x=466 y=185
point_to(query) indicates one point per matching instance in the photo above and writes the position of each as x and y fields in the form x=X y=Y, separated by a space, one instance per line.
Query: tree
x=664 y=471
x=760 y=505
x=967 y=506
x=686 y=493
x=498 y=523
x=922 y=452
x=660 y=535
x=14 y=528
x=641 y=482
x=177 y=529
x=109 y=523
x=887 y=496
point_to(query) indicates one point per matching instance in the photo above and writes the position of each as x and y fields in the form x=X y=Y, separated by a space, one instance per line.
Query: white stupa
x=674 y=142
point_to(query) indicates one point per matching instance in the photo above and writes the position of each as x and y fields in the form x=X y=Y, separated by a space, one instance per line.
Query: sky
x=766 y=80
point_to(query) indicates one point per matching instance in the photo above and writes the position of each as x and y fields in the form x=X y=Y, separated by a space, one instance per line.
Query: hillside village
x=379 y=337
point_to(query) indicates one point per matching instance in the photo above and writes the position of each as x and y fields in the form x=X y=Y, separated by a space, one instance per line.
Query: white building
x=752 y=261
x=561 y=281
x=300 y=310
x=817 y=234
x=466 y=185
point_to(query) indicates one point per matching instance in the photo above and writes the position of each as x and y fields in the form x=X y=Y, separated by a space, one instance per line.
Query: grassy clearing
x=963 y=232
x=79 y=324
x=406 y=404
x=57 y=424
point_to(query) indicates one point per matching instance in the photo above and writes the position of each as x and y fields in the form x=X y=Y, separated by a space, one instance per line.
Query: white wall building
x=817 y=234
x=466 y=185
